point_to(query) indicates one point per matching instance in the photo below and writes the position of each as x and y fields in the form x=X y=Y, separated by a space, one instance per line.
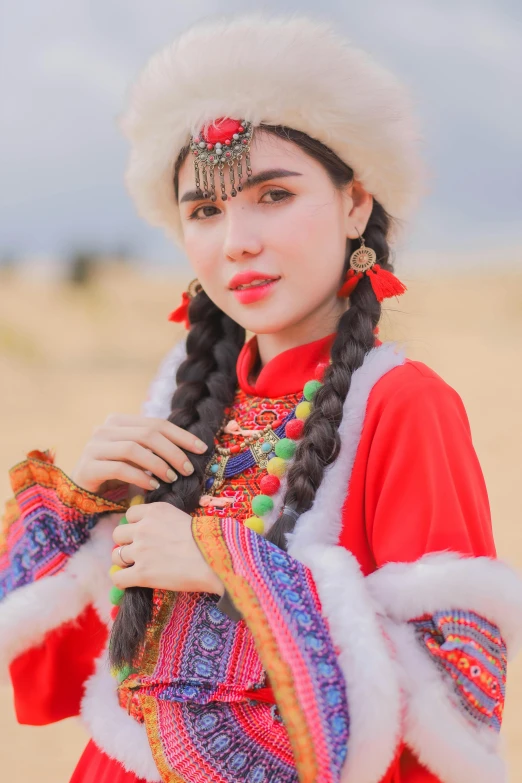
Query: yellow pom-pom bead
x=303 y=410
x=256 y=524
x=276 y=466
x=137 y=500
x=114 y=568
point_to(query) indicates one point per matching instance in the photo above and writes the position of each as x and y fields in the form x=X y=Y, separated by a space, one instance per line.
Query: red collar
x=287 y=372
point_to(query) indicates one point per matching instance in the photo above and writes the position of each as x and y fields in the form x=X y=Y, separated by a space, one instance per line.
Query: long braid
x=321 y=443
x=206 y=385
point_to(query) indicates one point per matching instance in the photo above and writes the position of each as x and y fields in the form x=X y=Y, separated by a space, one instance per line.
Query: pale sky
x=65 y=67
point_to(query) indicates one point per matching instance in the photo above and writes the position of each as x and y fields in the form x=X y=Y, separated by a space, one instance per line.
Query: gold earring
x=194 y=287
x=363 y=258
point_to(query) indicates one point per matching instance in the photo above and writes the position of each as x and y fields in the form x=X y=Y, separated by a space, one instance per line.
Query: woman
x=308 y=590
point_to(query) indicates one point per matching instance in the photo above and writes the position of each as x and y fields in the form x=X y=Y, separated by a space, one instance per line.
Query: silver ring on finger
x=121 y=557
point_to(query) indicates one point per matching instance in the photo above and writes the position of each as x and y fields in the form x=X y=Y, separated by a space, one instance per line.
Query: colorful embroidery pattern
x=277 y=598
x=199 y=670
x=471 y=651
x=54 y=521
x=218 y=743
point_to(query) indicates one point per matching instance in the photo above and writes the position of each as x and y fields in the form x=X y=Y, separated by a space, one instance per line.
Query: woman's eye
x=195 y=215
x=282 y=193
x=277 y=196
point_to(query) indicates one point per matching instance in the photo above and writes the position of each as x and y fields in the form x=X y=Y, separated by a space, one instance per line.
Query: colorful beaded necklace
x=271 y=448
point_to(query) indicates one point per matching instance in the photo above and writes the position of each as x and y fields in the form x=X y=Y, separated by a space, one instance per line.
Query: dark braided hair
x=206 y=385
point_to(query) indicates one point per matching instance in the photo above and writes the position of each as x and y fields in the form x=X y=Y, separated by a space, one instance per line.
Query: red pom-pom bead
x=294 y=429
x=269 y=484
x=320 y=371
x=114 y=612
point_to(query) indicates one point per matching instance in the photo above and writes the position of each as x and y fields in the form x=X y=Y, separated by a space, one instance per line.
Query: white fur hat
x=292 y=71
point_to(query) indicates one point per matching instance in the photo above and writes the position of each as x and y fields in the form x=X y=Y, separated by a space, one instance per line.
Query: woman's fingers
x=123 y=534
x=106 y=470
x=168 y=454
x=123 y=556
x=135 y=454
x=171 y=431
x=127 y=577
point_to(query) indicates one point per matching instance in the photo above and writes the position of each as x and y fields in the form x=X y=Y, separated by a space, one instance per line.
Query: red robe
x=416 y=487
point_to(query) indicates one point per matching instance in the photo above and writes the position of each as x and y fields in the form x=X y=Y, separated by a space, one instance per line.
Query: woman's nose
x=241 y=237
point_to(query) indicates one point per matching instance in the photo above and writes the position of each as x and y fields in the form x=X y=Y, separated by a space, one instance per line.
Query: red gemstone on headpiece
x=210 y=146
x=221 y=130
x=228 y=142
x=228 y=154
x=211 y=158
x=241 y=129
x=245 y=141
x=197 y=140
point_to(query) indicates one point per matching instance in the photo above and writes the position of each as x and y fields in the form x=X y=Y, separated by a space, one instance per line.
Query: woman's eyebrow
x=257 y=179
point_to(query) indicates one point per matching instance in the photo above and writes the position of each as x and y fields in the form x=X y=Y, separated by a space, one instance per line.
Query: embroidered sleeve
x=277 y=598
x=48 y=521
x=471 y=654
x=452 y=621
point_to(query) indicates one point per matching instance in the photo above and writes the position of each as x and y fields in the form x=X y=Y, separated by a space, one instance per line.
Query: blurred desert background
x=73 y=352
x=86 y=286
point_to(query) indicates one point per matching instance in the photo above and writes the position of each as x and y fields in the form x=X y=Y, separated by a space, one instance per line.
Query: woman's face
x=290 y=228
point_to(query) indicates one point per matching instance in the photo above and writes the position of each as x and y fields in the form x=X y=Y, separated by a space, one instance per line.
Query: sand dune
x=69 y=357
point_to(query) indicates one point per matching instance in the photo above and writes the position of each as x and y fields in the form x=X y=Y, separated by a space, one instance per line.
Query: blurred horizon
x=65 y=72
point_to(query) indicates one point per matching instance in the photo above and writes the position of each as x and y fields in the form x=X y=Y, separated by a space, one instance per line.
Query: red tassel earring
x=180 y=314
x=363 y=262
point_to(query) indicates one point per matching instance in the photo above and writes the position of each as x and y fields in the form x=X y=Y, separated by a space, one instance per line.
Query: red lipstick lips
x=259 y=285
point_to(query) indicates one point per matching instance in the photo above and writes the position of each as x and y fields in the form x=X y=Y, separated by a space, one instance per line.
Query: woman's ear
x=358 y=208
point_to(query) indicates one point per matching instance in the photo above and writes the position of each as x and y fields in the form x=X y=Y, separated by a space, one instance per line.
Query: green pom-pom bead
x=123 y=521
x=116 y=595
x=285 y=448
x=262 y=504
x=123 y=673
x=310 y=389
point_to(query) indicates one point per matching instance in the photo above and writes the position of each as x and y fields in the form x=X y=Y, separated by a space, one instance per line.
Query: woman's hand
x=122 y=449
x=159 y=546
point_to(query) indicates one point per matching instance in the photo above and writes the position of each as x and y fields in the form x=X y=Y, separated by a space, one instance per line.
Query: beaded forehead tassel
x=221 y=144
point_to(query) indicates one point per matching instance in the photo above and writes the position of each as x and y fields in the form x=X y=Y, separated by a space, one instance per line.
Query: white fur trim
x=434 y=728
x=312 y=80
x=371 y=680
x=374 y=699
x=29 y=612
x=447 y=581
x=322 y=522
x=112 y=729
x=163 y=386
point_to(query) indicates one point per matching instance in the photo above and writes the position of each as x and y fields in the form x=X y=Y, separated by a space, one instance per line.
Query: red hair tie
x=180 y=314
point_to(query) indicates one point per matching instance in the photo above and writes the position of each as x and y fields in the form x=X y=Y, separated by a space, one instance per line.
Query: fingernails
x=171 y=475
x=188 y=467
x=200 y=446
x=154 y=484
